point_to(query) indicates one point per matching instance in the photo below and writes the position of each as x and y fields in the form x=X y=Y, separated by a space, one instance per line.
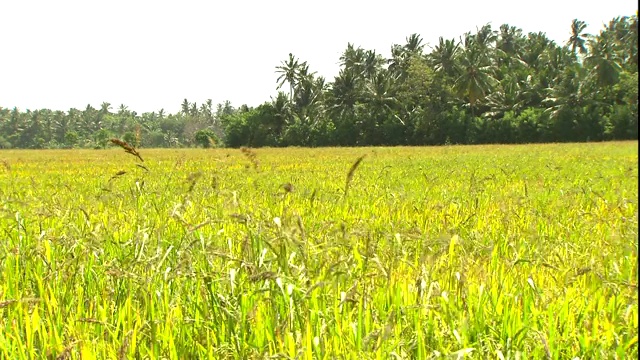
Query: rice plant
x=475 y=252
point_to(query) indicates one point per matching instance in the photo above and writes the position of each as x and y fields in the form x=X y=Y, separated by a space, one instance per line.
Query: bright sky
x=150 y=55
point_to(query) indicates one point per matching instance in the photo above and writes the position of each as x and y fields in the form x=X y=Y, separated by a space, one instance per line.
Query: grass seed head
x=288 y=187
x=192 y=179
x=352 y=171
x=127 y=148
x=251 y=155
x=122 y=353
x=118 y=174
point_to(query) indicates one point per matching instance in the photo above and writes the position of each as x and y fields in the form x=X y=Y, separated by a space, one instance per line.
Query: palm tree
x=91 y=119
x=632 y=40
x=60 y=125
x=569 y=93
x=578 y=37
x=548 y=71
x=185 y=107
x=346 y=90
x=304 y=94
x=443 y=57
x=622 y=32
x=485 y=38
x=601 y=60
x=380 y=92
x=193 y=111
x=414 y=44
x=206 y=109
x=398 y=60
x=102 y=115
x=105 y=107
x=304 y=81
x=510 y=40
x=508 y=96
x=398 y=64
x=509 y=47
x=475 y=80
x=283 y=112
x=288 y=73
x=382 y=105
x=372 y=64
x=352 y=58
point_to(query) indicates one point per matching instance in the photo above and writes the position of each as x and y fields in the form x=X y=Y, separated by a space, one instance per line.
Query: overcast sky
x=150 y=55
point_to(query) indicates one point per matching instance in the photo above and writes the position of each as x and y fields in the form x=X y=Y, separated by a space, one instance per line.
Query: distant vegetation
x=491 y=86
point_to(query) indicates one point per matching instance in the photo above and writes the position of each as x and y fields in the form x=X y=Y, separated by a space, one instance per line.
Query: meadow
x=474 y=252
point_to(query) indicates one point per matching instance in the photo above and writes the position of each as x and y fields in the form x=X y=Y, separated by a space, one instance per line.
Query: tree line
x=488 y=86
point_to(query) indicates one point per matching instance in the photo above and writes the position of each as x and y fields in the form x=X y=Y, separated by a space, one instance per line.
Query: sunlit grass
x=477 y=252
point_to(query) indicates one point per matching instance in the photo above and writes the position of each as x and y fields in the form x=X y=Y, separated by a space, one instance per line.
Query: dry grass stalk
x=352 y=170
x=547 y=350
x=66 y=353
x=127 y=148
x=92 y=321
x=6 y=303
x=118 y=174
x=122 y=353
x=263 y=276
x=198 y=226
x=251 y=155
x=138 y=135
x=192 y=179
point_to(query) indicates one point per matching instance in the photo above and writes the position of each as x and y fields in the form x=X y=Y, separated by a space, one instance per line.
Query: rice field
x=469 y=252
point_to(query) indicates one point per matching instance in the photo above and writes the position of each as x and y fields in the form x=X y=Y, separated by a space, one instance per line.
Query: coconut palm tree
x=289 y=73
x=476 y=79
x=485 y=38
x=352 y=58
x=372 y=64
x=534 y=46
x=414 y=44
x=510 y=40
x=601 y=60
x=443 y=57
x=578 y=38
x=346 y=90
x=105 y=107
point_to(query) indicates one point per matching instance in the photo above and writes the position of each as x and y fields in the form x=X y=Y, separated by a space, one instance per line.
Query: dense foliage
x=491 y=86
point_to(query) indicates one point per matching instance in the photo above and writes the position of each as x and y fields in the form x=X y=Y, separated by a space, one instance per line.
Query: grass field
x=478 y=252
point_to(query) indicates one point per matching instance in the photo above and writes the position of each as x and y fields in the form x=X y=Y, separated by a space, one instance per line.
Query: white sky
x=150 y=55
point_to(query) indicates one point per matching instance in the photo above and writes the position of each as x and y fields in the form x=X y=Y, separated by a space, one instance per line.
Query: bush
x=206 y=138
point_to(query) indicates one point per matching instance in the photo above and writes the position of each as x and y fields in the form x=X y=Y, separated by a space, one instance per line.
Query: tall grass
x=508 y=252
